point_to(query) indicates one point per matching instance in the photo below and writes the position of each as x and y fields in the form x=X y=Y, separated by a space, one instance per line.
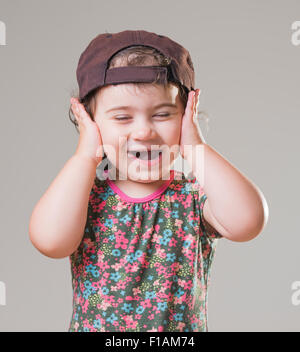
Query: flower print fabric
x=143 y=263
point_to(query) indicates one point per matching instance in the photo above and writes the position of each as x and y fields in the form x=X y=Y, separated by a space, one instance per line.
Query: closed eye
x=126 y=117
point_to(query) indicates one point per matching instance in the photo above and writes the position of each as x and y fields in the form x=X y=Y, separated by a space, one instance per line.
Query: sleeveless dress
x=143 y=263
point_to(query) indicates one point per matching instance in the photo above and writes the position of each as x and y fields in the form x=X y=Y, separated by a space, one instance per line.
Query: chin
x=146 y=176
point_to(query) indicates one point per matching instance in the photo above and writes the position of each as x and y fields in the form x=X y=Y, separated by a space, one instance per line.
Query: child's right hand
x=90 y=141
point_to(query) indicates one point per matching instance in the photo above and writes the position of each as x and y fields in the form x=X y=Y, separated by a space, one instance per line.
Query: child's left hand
x=190 y=130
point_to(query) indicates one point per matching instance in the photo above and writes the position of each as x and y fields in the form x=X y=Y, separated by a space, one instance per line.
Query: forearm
x=236 y=203
x=58 y=219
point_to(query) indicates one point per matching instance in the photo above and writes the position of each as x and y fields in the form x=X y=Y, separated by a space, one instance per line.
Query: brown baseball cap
x=92 y=70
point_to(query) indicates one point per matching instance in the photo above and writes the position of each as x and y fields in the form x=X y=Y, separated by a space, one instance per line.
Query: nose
x=143 y=131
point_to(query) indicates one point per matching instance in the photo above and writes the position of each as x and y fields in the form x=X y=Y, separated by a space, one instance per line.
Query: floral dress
x=143 y=263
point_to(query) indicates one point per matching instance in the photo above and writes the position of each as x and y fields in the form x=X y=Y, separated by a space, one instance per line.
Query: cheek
x=172 y=133
x=109 y=137
x=108 y=133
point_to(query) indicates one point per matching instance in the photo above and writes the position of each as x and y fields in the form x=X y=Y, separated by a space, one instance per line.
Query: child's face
x=142 y=125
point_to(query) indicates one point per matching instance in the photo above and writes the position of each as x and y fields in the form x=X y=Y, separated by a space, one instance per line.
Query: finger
x=74 y=106
x=190 y=106
x=194 y=109
x=197 y=99
x=75 y=110
x=190 y=103
x=82 y=113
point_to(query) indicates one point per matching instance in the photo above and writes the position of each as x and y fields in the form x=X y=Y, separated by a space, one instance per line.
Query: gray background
x=249 y=73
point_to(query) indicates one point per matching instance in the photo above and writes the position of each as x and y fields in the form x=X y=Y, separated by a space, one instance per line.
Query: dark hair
x=136 y=55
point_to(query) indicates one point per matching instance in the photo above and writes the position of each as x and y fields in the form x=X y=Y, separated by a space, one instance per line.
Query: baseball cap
x=92 y=70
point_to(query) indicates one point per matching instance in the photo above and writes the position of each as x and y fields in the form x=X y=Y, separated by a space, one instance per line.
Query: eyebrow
x=129 y=107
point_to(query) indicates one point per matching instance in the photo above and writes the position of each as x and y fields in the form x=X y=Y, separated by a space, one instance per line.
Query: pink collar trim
x=154 y=195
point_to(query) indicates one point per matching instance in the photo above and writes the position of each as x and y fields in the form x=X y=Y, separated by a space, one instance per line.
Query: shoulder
x=211 y=225
x=187 y=181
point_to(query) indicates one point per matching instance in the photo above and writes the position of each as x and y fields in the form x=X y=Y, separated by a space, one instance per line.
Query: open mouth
x=146 y=155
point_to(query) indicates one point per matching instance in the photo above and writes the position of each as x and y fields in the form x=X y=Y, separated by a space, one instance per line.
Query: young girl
x=141 y=236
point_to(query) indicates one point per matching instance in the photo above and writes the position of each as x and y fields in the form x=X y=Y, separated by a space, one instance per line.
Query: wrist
x=94 y=162
x=194 y=152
